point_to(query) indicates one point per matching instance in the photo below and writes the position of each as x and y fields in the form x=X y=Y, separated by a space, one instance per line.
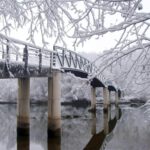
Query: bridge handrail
x=23 y=43
x=62 y=48
x=66 y=50
x=82 y=63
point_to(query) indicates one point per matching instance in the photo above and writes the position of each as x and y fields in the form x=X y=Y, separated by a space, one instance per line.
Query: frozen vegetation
x=73 y=88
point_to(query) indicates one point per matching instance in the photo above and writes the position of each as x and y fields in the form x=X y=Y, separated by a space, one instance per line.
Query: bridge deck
x=19 y=59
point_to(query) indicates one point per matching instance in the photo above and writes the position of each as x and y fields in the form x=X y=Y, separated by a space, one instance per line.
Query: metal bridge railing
x=12 y=50
x=69 y=59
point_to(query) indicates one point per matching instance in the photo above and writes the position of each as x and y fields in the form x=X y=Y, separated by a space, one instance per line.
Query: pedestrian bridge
x=23 y=60
x=20 y=59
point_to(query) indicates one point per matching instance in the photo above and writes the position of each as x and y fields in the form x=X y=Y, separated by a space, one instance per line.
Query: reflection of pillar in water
x=54 y=143
x=93 y=129
x=109 y=102
x=106 y=97
x=23 y=106
x=117 y=112
x=106 y=121
x=109 y=113
x=23 y=143
x=116 y=98
x=93 y=98
x=54 y=107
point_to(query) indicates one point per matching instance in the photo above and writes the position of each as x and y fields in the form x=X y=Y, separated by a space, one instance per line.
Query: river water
x=81 y=130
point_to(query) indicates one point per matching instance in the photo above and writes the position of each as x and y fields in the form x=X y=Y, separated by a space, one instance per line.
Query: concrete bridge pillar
x=93 y=99
x=106 y=97
x=54 y=104
x=23 y=106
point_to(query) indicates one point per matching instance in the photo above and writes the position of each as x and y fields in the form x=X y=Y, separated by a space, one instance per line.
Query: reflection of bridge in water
x=98 y=140
x=23 y=61
x=72 y=132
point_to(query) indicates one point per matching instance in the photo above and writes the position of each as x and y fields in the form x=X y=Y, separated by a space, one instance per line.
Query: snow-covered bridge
x=23 y=60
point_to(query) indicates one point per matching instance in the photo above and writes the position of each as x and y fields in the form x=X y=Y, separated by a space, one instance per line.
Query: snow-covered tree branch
x=77 y=19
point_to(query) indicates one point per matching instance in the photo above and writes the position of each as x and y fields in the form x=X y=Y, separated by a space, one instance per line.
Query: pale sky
x=91 y=45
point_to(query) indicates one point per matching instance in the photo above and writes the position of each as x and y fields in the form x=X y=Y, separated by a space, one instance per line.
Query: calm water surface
x=81 y=130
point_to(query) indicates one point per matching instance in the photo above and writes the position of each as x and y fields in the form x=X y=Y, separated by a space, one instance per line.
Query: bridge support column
x=93 y=99
x=23 y=106
x=106 y=98
x=54 y=104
